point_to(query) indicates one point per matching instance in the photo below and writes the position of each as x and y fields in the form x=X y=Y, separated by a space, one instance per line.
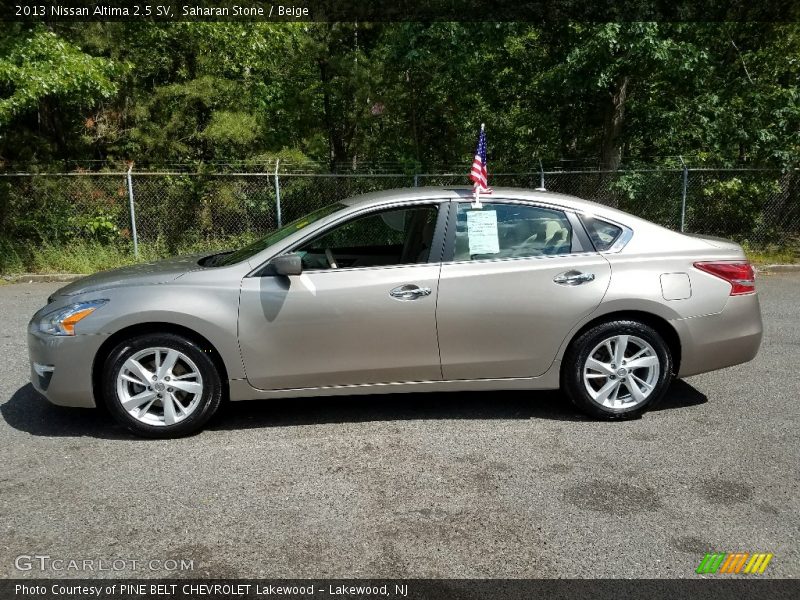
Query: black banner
x=400 y=10
x=723 y=587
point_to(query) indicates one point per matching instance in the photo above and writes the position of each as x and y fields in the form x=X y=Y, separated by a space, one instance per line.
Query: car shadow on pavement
x=516 y=404
x=28 y=411
x=680 y=395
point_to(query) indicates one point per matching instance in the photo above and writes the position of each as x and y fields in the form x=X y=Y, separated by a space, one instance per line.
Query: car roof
x=466 y=193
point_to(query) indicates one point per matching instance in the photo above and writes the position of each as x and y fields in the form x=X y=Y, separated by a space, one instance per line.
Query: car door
x=362 y=312
x=519 y=278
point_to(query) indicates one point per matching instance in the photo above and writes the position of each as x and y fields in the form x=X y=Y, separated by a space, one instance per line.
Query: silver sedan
x=405 y=291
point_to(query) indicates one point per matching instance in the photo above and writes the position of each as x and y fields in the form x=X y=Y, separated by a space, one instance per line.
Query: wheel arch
x=660 y=324
x=152 y=327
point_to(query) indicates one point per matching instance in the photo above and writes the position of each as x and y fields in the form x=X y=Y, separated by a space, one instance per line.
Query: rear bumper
x=61 y=367
x=730 y=337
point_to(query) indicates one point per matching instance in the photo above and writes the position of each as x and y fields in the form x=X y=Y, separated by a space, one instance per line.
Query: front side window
x=510 y=230
x=390 y=237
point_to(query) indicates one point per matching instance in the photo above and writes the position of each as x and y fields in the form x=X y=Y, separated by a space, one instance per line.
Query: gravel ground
x=450 y=485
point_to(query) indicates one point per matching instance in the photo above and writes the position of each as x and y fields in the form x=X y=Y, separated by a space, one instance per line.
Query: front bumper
x=730 y=337
x=61 y=367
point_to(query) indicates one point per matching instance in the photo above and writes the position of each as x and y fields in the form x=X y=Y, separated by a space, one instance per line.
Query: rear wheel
x=161 y=385
x=617 y=370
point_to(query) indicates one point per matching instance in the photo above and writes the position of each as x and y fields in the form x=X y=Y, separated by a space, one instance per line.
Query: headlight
x=63 y=320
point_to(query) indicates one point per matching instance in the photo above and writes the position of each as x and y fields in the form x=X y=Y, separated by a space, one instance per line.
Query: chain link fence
x=759 y=208
x=173 y=212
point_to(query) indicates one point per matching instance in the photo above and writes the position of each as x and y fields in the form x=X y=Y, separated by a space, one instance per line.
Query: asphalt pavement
x=458 y=485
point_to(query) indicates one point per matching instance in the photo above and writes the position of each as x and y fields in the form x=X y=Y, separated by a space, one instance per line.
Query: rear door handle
x=573 y=278
x=409 y=292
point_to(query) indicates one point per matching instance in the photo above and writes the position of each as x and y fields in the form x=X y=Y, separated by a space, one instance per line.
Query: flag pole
x=477 y=203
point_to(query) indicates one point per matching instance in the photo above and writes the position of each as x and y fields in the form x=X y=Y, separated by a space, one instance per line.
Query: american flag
x=478 y=174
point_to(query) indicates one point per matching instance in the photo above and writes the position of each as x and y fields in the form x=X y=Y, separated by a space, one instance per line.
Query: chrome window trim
x=517 y=258
x=373 y=268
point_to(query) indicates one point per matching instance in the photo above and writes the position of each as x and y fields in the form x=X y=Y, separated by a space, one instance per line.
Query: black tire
x=572 y=370
x=209 y=400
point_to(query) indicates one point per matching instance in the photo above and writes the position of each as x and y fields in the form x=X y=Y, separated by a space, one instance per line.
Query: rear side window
x=603 y=233
x=499 y=230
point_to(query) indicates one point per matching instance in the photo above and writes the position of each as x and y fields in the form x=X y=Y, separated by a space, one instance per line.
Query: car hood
x=151 y=273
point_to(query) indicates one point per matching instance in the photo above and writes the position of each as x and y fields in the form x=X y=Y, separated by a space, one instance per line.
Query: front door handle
x=573 y=278
x=409 y=292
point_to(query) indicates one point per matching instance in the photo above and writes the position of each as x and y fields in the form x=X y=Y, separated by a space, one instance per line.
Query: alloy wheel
x=621 y=372
x=159 y=386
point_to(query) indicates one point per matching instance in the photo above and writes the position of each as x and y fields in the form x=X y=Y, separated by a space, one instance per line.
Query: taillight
x=739 y=274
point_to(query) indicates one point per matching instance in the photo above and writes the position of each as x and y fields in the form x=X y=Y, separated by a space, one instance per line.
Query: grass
x=85 y=257
x=73 y=258
x=90 y=257
x=772 y=256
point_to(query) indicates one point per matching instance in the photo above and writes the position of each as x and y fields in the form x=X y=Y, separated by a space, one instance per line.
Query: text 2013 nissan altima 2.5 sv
x=405 y=291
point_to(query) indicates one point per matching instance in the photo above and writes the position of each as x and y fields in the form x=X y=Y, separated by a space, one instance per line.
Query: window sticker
x=482 y=232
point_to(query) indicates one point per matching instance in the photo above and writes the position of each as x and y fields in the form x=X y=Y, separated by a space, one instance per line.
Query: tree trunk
x=611 y=148
x=51 y=124
x=568 y=142
x=414 y=131
x=336 y=144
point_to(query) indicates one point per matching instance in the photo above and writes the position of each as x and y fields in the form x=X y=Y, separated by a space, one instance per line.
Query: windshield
x=279 y=234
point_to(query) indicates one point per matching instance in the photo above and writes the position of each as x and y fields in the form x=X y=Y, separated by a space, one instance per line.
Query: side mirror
x=288 y=264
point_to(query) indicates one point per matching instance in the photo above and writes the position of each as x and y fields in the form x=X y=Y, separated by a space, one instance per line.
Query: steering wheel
x=331 y=259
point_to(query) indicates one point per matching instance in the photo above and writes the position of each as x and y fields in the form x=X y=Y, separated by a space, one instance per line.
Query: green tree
x=46 y=84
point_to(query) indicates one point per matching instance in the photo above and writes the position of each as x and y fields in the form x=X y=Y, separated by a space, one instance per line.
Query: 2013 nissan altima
x=405 y=291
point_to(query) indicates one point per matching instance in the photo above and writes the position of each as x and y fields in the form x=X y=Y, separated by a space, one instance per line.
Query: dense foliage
x=398 y=97
x=401 y=95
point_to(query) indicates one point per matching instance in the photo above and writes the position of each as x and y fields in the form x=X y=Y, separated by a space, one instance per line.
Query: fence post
x=416 y=180
x=278 y=194
x=683 y=195
x=133 y=213
x=541 y=187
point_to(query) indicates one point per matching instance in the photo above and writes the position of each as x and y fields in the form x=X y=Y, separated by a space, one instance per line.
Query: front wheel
x=617 y=370
x=161 y=385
